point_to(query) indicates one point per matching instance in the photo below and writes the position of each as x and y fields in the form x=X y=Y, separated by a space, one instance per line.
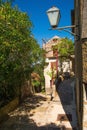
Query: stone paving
x=39 y=113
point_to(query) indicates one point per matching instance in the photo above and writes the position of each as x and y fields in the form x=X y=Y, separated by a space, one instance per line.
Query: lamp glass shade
x=53 y=16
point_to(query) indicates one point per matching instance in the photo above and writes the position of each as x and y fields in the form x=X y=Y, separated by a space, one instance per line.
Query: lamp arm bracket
x=69 y=32
x=65 y=29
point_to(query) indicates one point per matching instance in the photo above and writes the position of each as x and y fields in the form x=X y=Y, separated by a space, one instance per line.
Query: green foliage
x=65 y=47
x=52 y=73
x=39 y=64
x=19 y=51
x=36 y=83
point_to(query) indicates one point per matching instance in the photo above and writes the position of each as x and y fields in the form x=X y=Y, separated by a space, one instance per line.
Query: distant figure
x=51 y=94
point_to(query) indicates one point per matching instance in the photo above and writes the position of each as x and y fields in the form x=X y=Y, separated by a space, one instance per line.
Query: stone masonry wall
x=8 y=108
x=84 y=18
x=84 y=57
x=84 y=39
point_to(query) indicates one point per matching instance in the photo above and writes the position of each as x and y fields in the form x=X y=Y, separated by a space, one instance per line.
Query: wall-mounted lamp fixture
x=54 y=17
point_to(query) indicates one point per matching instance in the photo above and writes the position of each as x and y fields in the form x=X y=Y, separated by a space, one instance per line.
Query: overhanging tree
x=18 y=50
x=65 y=49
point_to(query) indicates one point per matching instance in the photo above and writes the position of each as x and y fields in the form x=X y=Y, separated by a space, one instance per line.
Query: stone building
x=53 y=63
x=81 y=61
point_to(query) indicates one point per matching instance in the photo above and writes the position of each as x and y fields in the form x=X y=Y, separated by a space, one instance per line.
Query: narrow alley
x=39 y=113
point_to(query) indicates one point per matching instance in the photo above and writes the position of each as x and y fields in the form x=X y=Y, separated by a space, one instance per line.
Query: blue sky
x=36 y=10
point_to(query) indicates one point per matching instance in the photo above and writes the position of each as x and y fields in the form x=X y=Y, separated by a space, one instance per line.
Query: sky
x=36 y=10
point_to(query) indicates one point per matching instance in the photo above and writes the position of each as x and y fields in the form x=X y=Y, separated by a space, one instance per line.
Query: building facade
x=53 y=64
x=81 y=61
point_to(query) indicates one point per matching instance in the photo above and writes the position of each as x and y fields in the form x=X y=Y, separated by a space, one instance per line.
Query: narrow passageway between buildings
x=39 y=113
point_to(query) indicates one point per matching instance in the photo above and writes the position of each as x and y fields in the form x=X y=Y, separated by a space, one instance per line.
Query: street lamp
x=54 y=17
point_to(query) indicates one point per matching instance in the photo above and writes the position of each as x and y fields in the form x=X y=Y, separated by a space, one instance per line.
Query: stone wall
x=84 y=38
x=84 y=57
x=84 y=18
x=78 y=62
x=8 y=108
x=25 y=91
